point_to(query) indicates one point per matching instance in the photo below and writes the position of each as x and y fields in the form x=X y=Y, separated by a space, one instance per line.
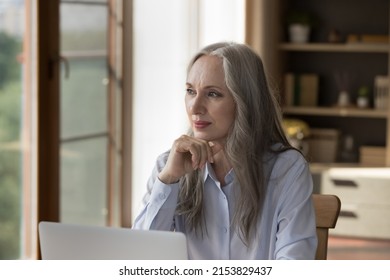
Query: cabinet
x=365 y=196
x=353 y=64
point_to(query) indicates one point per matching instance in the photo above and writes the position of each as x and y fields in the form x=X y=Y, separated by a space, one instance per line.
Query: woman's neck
x=221 y=166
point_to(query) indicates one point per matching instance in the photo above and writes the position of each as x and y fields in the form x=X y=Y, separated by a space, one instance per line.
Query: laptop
x=60 y=241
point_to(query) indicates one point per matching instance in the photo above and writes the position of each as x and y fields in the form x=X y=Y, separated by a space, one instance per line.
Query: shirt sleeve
x=296 y=236
x=159 y=204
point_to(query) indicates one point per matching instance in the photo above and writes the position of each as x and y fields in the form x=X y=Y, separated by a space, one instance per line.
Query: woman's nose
x=197 y=105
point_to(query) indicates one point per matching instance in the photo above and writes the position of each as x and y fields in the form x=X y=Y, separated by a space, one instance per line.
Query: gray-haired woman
x=233 y=184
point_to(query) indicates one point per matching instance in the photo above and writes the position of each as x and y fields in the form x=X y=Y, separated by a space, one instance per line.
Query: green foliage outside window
x=10 y=155
x=10 y=47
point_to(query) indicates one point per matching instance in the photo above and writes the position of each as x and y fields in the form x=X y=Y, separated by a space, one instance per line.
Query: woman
x=233 y=185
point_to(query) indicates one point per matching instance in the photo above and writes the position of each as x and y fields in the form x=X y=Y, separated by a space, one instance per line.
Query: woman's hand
x=187 y=154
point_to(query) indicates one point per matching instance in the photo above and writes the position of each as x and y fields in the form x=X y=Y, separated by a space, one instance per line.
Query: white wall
x=221 y=20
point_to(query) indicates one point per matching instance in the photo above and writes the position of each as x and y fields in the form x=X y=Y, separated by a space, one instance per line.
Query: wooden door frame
x=48 y=59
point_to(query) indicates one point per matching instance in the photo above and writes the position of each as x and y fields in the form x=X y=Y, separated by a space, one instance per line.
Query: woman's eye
x=190 y=91
x=214 y=94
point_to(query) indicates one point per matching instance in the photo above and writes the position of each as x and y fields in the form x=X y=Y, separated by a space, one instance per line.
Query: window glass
x=11 y=127
x=83 y=181
x=83 y=98
x=83 y=102
x=83 y=28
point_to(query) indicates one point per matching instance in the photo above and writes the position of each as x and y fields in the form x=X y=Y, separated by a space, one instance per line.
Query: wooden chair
x=327 y=208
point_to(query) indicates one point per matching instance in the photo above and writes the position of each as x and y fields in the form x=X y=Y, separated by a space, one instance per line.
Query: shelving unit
x=364 y=190
x=361 y=62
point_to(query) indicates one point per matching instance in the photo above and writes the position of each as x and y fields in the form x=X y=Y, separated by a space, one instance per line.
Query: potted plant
x=363 y=97
x=299 y=25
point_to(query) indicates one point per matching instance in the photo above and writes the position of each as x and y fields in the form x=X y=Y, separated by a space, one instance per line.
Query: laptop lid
x=59 y=241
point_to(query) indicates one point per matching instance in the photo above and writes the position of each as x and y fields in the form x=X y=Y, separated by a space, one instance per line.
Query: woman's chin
x=203 y=136
x=208 y=137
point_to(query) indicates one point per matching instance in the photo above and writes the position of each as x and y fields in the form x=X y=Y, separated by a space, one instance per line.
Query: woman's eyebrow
x=206 y=87
x=212 y=86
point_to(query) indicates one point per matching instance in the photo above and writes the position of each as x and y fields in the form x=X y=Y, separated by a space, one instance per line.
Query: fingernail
x=211 y=144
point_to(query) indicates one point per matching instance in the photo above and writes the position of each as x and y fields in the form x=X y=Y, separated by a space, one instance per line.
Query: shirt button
x=225 y=230
x=162 y=196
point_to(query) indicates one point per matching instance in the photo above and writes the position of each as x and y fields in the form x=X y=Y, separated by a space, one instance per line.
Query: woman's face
x=209 y=104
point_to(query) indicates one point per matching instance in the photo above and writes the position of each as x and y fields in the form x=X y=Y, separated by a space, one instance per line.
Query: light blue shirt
x=286 y=229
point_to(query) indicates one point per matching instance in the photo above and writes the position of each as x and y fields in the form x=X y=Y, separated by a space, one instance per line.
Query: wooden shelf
x=327 y=47
x=319 y=167
x=336 y=112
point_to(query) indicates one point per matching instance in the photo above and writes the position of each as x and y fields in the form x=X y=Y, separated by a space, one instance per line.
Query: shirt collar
x=209 y=172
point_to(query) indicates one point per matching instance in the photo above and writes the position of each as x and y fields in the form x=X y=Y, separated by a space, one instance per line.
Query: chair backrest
x=327 y=209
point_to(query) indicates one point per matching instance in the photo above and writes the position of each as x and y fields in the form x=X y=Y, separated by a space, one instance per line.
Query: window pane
x=83 y=27
x=11 y=125
x=84 y=114
x=83 y=181
x=83 y=98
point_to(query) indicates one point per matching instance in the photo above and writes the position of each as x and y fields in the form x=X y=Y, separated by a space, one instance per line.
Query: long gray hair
x=256 y=128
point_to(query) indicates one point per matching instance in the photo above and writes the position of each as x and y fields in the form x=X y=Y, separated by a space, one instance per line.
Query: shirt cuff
x=164 y=195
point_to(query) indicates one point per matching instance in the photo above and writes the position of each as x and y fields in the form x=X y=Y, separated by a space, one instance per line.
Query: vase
x=299 y=33
x=362 y=102
x=343 y=100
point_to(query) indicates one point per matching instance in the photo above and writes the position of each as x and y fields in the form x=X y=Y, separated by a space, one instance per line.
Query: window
x=91 y=112
x=37 y=182
x=84 y=112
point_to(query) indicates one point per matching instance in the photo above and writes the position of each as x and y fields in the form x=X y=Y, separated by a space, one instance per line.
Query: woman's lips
x=201 y=124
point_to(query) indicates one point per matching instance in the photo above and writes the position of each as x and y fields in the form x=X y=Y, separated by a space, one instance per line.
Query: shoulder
x=288 y=165
x=290 y=178
x=285 y=157
x=290 y=157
